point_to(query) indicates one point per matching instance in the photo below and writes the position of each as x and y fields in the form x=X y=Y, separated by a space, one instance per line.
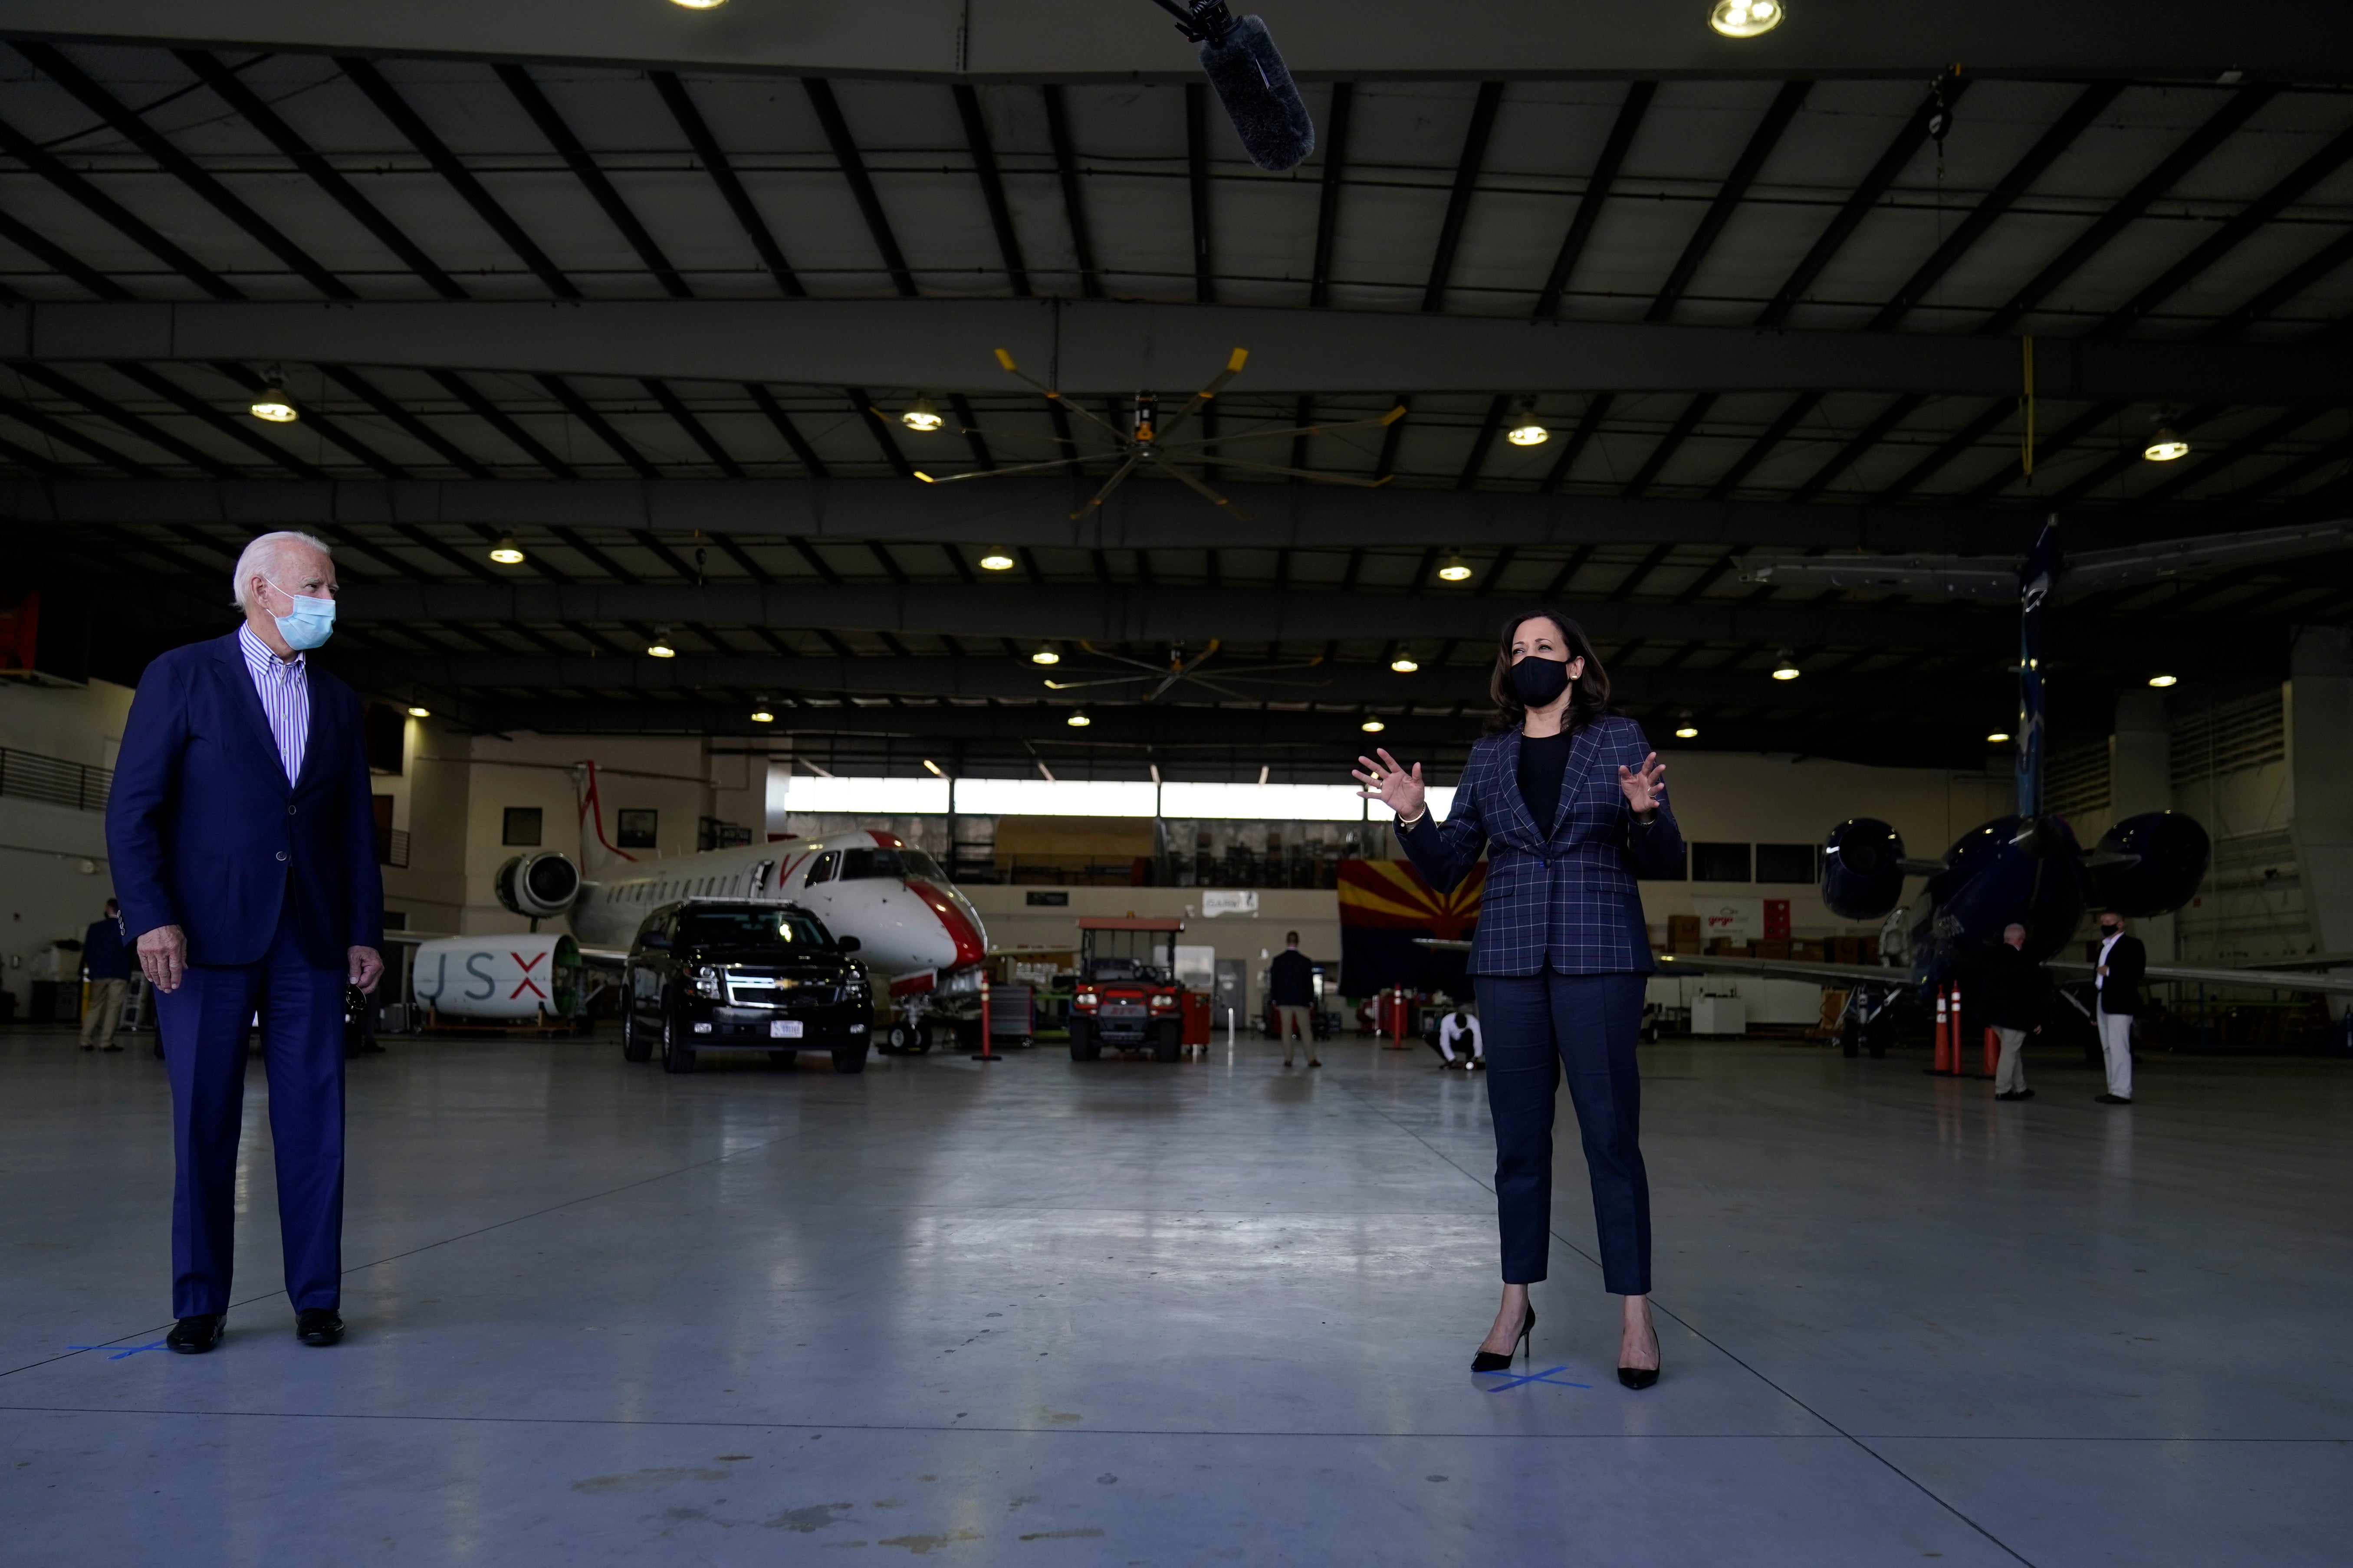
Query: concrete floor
x=1124 y=1313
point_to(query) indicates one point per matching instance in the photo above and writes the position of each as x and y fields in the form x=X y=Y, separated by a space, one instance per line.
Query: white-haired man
x=244 y=848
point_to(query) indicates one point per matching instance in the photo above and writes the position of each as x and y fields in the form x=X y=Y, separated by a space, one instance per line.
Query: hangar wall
x=44 y=894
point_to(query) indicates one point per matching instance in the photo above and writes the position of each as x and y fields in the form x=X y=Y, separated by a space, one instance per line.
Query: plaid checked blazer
x=1563 y=899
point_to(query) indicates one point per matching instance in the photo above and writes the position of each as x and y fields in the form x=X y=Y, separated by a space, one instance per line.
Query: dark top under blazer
x=2005 y=989
x=2127 y=967
x=1563 y=898
x=206 y=833
x=1291 y=980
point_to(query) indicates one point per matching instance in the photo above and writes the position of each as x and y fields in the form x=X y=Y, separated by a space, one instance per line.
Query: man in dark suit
x=106 y=964
x=244 y=848
x=2121 y=966
x=2006 y=992
x=1291 y=987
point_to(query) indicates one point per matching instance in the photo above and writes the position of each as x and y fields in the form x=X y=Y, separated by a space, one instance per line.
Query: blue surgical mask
x=311 y=624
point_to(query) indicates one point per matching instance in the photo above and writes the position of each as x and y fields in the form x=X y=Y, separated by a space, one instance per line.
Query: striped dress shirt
x=284 y=688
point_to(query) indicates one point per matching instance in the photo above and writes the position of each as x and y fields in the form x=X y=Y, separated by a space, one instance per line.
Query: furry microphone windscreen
x=1259 y=97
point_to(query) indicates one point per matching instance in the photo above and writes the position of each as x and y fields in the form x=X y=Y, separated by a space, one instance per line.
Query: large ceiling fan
x=1181 y=668
x=1146 y=441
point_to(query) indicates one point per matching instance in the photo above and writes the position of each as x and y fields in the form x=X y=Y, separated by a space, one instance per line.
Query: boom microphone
x=1252 y=81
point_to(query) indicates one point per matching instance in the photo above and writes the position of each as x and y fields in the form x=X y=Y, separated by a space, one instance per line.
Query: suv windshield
x=750 y=928
x=862 y=863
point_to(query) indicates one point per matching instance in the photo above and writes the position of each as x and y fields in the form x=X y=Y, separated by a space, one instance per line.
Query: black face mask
x=1537 y=681
x=2110 y=930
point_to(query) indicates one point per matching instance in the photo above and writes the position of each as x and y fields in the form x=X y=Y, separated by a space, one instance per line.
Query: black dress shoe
x=317 y=1326
x=2112 y=1098
x=194 y=1336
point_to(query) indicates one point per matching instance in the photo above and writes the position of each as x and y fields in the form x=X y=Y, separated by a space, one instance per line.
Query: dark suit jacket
x=2005 y=990
x=1291 y=979
x=2127 y=966
x=104 y=953
x=206 y=833
x=1560 y=896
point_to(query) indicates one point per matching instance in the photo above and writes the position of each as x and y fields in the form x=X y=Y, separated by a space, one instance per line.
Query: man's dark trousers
x=1538 y=1027
x=204 y=1025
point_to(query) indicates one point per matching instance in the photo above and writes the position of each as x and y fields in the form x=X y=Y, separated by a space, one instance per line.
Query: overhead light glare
x=507 y=553
x=271 y=405
x=698 y=5
x=922 y=414
x=1684 y=728
x=2165 y=447
x=2162 y=682
x=1998 y=738
x=1404 y=663
x=1372 y=726
x=935 y=769
x=1785 y=667
x=1045 y=656
x=1455 y=570
x=1744 y=18
x=1525 y=430
x=660 y=647
x=1077 y=720
x=420 y=712
x=996 y=560
x=762 y=716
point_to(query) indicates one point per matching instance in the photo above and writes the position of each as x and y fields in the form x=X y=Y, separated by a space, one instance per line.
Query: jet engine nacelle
x=1862 y=868
x=2150 y=863
x=515 y=979
x=538 y=884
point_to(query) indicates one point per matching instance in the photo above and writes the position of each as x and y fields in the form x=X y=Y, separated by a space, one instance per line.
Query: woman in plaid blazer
x=1568 y=801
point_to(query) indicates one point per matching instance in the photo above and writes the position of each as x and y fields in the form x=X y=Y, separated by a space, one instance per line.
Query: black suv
x=710 y=976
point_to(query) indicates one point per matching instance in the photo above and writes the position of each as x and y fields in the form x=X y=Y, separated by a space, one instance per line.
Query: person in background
x=1456 y=1026
x=2122 y=964
x=243 y=836
x=1291 y=986
x=106 y=962
x=2008 y=994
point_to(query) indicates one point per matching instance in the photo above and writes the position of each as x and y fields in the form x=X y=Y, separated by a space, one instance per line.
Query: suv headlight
x=709 y=982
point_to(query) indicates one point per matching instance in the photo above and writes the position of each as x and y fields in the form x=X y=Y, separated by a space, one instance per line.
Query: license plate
x=784 y=1028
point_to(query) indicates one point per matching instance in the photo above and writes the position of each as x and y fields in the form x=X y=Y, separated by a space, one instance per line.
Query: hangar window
x=1719 y=863
x=522 y=826
x=1785 y=862
x=636 y=829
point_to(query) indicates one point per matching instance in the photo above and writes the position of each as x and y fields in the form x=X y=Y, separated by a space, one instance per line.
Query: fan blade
x=1234 y=363
x=1108 y=681
x=1121 y=658
x=998 y=473
x=1391 y=417
x=1198 y=487
x=1118 y=478
x=1319 y=477
x=1017 y=373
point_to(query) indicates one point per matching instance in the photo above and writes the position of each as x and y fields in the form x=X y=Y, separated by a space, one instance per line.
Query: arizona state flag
x=1384 y=906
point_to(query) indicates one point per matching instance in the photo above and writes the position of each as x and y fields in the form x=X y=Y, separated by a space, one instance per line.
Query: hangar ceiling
x=658 y=320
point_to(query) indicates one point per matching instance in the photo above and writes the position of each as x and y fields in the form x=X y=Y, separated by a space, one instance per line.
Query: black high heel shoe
x=1642 y=1377
x=1488 y=1361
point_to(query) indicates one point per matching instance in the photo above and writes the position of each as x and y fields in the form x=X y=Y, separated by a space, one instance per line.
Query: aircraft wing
x=1846 y=974
x=2139 y=563
x=2250 y=979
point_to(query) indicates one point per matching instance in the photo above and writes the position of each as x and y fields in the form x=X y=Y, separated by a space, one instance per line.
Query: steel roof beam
x=862 y=184
x=482 y=408
x=1196 y=186
x=188 y=403
x=137 y=230
x=367 y=391
x=715 y=164
x=1728 y=197
x=992 y=187
x=1333 y=137
x=1596 y=194
x=599 y=185
x=329 y=428
x=579 y=409
x=107 y=408
x=696 y=431
x=1466 y=186
x=1074 y=201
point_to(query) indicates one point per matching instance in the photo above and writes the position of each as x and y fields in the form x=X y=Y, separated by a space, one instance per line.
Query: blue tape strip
x=1544 y=1377
x=134 y=1350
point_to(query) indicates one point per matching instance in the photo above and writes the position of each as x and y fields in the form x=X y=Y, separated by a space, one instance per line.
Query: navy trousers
x=1539 y=1026
x=204 y=1025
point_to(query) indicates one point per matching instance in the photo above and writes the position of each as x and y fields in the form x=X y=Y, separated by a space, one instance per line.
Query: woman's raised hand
x=1392 y=783
x=1644 y=789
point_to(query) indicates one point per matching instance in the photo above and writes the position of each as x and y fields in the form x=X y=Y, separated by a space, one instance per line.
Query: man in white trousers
x=2122 y=964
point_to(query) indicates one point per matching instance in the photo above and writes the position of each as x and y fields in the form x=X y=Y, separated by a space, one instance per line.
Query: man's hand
x=367 y=967
x=163 y=956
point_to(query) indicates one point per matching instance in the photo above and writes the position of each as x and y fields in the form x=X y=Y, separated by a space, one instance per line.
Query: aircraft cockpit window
x=857 y=863
x=822 y=868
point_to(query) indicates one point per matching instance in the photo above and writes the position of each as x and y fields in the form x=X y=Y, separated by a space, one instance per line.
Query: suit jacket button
x=289 y=811
x=281 y=854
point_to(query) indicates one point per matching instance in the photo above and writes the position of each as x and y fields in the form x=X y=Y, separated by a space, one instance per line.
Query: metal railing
x=30 y=776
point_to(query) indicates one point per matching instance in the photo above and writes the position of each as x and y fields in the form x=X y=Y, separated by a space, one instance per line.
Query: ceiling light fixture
x=762 y=716
x=1525 y=430
x=996 y=560
x=2162 y=682
x=1744 y=18
x=420 y=712
x=1998 y=738
x=922 y=414
x=1456 y=570
x=1404 y=663
x=699 y=5
x=1077 y=720
x=660 y=647
x=1785 y=666
x=1045 y=656
x=506 y=552
x=271 y=403
x=2163 y=447
x=1684 y=728
x=935 y=769
x=1372 y=726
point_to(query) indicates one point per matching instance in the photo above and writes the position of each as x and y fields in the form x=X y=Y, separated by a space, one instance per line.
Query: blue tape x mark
x=134 y=1350
x=1544 y=1377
